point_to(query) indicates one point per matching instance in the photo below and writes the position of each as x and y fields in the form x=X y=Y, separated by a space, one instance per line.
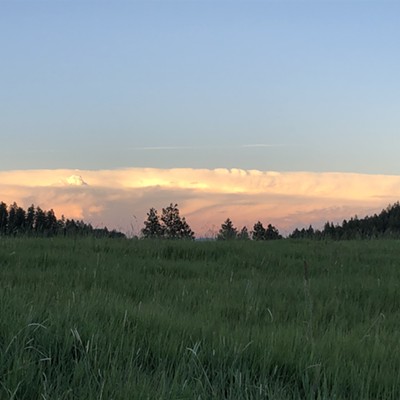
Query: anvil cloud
x=121 y=198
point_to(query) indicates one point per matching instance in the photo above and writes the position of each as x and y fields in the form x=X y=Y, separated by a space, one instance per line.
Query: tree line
x=384 y=224
x=170 y=225
x=16 y=221
x=229 y=232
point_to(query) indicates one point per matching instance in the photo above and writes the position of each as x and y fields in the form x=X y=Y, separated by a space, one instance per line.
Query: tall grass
x=118 y=319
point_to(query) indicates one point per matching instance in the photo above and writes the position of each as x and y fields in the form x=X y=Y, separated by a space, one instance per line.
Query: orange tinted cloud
x=121 y=198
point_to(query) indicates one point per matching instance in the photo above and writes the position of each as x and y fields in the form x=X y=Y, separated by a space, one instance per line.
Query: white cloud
x=207 y=147
x=261 y=145
x=75 y=180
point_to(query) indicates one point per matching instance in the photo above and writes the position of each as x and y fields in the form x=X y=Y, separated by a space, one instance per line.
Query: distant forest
x=16 y=221
x=382 y=225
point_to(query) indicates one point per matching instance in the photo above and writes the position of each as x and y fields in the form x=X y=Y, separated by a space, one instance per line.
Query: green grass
x=119 y=319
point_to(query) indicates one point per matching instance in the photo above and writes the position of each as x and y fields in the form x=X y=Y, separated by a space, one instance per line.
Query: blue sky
x=269 y=85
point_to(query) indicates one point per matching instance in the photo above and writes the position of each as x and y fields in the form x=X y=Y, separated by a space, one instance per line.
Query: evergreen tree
x=71 y=228
x=227 y=231
x=259 y=232
x=185 y=230
x=51 y=224
x=272 y=233
x=3 y=218
x=244 y=234
x=30 y=219
x=296 y=234
x=152 y=226
x=61 y=226
x=173 y=226
x=12 y=219
x=40 y=220
x=171 y=221
x=19 y=225
x=310 y=232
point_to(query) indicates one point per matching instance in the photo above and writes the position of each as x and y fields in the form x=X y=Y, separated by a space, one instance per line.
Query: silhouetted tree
x=3 y=218
x=272 y=233
x=20 y=215
x=175 y=227
x=152 y=226
x=30 y=219
x=309 y=233
x=16 y=219
x=169 y=226
x=40 y=220
x=185 y=230
x=243 y=234
x=296 y=234
x=227 y=231
x=51 y=224
x=259 y=232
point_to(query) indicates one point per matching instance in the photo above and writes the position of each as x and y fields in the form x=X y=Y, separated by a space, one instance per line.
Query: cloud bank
x=120 y=198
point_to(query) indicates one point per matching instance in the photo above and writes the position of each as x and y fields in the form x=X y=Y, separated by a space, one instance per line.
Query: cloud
x=261 y=145
x=165 y=148
x=120 y=198
x=75 y=180
x=207 y=147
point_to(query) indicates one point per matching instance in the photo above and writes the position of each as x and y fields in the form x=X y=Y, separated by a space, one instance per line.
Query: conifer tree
x=152 y=226
x=227 y=231
x=20 y=215
x=12 y=219
x=272 y=233
x=3 y=218
x=40 y=220
x=30 y=219
x=175 y=227
x=259 y=232
x=243 y=234
x=51 y=224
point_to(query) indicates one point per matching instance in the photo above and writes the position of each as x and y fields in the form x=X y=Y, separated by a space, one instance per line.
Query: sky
x=306 y=89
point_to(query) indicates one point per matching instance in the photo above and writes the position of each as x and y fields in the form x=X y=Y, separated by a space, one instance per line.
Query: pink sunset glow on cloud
x=120 y=198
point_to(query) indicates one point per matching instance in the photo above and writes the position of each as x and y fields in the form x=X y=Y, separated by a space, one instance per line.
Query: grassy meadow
x=120 y=319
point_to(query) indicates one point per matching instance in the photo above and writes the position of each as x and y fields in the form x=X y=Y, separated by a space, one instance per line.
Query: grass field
x=120 y=319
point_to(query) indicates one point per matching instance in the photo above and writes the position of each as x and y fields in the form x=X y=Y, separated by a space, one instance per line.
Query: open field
x=119 y=319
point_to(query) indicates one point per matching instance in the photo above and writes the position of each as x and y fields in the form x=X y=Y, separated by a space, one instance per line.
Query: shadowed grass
x=118 y=319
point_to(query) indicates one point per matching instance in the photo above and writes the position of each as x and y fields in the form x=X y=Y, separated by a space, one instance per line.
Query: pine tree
x=30 y=219
x=185 y=231
x=51 y=224
x=3 y=218
x=171 y=221
x=259 y=232
x=19 y=225
x=71 y=227
x=244 y=234
x=12 y=219
x=272 y=233
x=152 y=226
x=40 y=220
x=175 y=227
x=227 y=231
x=296 y=234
